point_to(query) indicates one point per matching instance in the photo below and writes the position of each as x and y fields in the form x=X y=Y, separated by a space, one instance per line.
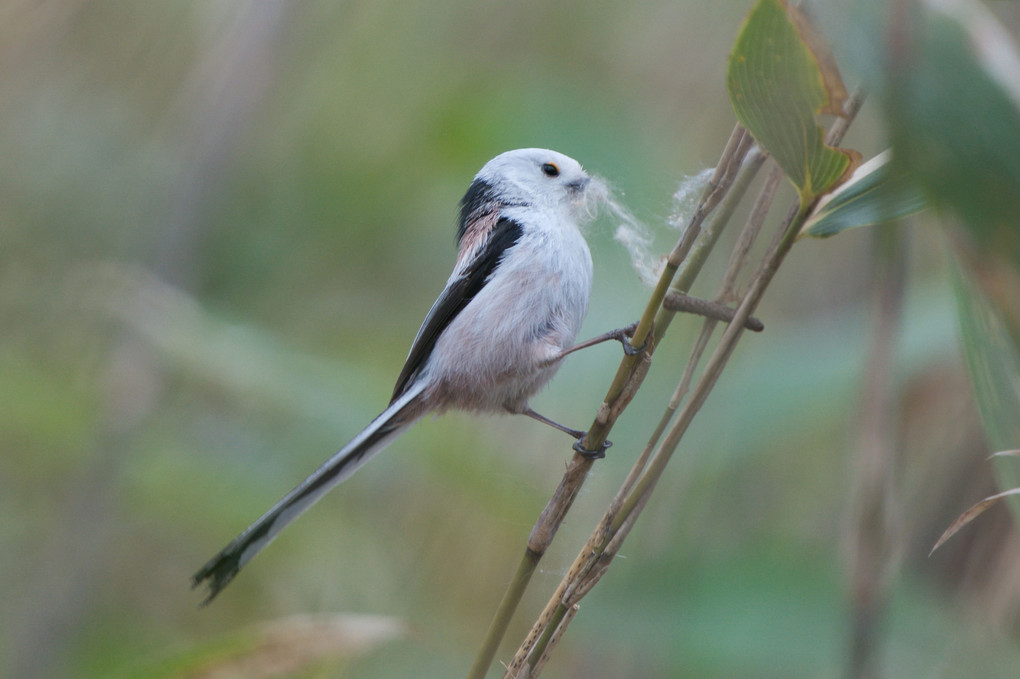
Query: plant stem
x=684 y=280
x=504 y=613
x=738 y=257
x=594 y=558
x=699 y=253
x=732 y=159
x=628 y=378
x=677 y=301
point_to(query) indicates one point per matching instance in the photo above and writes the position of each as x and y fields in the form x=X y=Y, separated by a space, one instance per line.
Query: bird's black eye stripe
x=550 y=169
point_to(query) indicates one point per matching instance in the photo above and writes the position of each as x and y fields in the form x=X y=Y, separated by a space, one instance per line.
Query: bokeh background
x=220 y=226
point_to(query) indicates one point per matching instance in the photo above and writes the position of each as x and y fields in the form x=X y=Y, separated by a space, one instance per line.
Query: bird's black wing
x=458 y=293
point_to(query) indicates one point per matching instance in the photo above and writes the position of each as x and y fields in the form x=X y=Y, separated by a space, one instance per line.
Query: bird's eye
x=550 y=170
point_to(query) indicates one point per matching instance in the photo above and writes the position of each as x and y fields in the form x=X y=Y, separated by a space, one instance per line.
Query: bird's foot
x=596 y=454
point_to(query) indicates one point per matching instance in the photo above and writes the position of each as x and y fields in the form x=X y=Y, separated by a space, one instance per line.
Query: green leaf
x=953 y=102
x=875 y=193
x=780 y=75
x=993 y=362
x=954 y=110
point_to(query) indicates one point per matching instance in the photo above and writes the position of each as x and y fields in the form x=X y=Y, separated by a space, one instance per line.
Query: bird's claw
x=596 y=454
x=628 y=348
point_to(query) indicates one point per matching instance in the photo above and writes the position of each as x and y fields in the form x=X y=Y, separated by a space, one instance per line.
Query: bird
x=510 y=311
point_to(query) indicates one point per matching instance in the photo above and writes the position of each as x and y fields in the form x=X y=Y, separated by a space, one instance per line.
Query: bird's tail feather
x=382 y=431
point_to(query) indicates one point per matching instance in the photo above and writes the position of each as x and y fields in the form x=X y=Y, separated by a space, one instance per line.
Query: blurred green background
x=220 y=226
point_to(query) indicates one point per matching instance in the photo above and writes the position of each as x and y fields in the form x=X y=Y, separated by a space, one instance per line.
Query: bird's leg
x=621 y=335
x=574 y=433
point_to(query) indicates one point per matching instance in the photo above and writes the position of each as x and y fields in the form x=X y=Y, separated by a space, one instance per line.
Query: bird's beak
x=579 y=185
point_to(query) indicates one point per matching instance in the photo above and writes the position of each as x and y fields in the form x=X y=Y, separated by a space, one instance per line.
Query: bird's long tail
x=382 y=431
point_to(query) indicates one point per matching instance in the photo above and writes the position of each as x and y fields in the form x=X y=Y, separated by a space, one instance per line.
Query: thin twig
x=738 y=257
x=677 y=301
x=692 y=266
x=698 y=255
x=759 y=211
x=685 y=277
x=748 y=235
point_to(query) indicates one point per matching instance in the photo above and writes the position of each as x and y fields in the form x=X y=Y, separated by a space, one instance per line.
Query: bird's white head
x=537 y=177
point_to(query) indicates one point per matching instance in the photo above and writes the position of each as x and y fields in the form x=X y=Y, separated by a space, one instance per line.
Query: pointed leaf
x=972 y=514
x=780 y=75
x=875 y=193
x=993 y=363
x=954 y=113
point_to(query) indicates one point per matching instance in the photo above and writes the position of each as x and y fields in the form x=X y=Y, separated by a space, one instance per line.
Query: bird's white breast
x=494 y=354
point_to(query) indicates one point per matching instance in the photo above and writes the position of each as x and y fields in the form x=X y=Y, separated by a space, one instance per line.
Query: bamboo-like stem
x=628 y=377
x=684 y=280
x=714 y=366
x=504 y=613
x=755 y=221
x=786 y=236
x=599 y=550
x=622 y=387
x=561 y=627
x=594 y=557
x=747 y=237
x=699 y=253
x=597 y=553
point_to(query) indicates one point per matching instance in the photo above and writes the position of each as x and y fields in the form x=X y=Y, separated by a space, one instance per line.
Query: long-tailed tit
x=509 y=312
